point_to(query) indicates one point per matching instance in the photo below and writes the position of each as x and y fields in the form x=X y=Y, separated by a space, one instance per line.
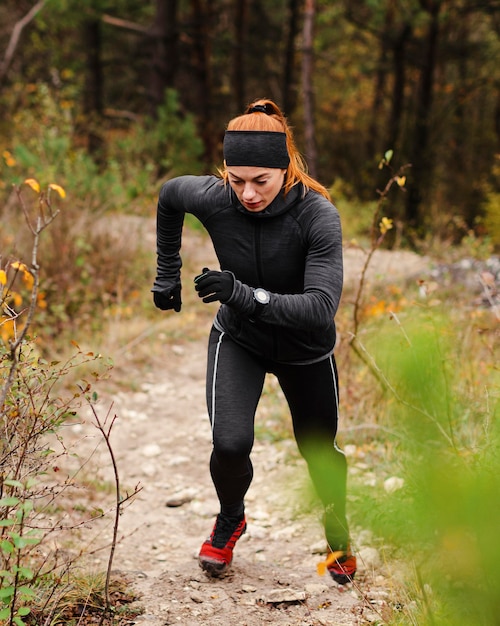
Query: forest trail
x=161 y=439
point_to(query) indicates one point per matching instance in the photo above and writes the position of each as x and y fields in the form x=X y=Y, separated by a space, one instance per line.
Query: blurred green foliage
x=442 y=416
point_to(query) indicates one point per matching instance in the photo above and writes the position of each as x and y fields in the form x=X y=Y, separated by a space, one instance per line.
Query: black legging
x=235 y=379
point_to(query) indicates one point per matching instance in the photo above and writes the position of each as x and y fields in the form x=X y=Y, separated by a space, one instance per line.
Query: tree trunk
x=239 y=67
x=164 y=61
x=307 y=86
x=202 y=19
x=289 y=101
x=421 y=158
x=372 y=144
x=398 y=87
x=93 y=93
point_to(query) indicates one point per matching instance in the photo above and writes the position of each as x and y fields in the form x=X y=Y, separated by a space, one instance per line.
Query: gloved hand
x=166 y=300
x=212 y=285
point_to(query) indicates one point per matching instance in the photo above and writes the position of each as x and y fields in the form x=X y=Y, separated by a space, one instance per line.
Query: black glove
x=166 y=300
x=212 y=285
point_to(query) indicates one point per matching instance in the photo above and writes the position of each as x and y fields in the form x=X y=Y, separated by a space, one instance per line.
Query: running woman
x=278 y=240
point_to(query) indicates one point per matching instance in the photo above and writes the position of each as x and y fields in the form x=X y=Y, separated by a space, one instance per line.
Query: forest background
x=103 y=100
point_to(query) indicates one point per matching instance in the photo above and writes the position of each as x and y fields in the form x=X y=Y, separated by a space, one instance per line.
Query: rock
x=394 y=483
x=151 y=450
x=196 y=597
x=316 y=589
x=369 y=558
x=277 y=596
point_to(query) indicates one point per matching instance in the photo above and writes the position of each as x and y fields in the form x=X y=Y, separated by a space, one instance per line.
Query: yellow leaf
x=330 y=559
x=59 y=189
x=10 y=161
x=7 y=330
x=34 y=184
x=18 y=299
x=401 y=180
x=28 y=280
x=385 y=225
x=17 y=265
x=3 y=277
x=321 y=568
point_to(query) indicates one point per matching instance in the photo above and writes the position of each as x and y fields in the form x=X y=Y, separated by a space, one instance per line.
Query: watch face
x=261 y=296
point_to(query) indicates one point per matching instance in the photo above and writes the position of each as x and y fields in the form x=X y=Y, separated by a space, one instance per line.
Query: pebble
x=151 y=450
x=276 y=596
x=369 y=557
x=316 y=589
x=394 y=483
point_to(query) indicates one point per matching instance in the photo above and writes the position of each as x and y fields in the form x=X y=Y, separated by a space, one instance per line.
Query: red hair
x=273 y=120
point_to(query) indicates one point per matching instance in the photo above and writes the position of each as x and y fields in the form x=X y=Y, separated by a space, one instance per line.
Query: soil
x=161 y=441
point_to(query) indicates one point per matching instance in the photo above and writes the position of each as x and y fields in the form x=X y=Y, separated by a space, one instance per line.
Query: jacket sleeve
x=185 y=194
x=316 y=306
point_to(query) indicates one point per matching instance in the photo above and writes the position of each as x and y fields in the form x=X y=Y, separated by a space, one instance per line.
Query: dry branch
x=16 y=35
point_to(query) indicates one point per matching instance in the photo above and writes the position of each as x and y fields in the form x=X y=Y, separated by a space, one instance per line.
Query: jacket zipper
x=260 y=279
x=258 y=252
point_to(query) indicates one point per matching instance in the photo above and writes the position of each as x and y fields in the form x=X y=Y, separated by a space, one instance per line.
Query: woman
x=278 y=239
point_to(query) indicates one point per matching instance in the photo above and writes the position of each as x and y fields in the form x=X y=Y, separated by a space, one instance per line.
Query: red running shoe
x=342 y=568
x=216 y=553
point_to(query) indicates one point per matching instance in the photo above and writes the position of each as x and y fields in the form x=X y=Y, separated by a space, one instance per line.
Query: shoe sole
x=342 y=579
x=213 y=568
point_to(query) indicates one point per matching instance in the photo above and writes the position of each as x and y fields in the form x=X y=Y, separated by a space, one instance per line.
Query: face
x=255 y=187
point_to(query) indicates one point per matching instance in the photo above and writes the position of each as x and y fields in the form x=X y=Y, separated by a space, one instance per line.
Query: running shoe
x=216 y=553
x=341 y=565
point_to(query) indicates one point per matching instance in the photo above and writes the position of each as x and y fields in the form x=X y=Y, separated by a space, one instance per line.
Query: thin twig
x=106 y=434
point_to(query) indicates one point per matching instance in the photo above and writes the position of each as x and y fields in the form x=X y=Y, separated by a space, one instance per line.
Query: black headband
x=257 y=148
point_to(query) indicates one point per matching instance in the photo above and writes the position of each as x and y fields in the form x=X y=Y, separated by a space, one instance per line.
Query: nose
x=248 y=191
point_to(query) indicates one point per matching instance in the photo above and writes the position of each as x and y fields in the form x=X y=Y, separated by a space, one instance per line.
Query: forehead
x=247 y=172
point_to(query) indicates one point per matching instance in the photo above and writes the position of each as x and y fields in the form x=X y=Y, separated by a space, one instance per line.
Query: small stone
x=316 y=589
x=151 y=450
x=369 y=557
x=394 y=483
x=276 y=596
x=196 y=597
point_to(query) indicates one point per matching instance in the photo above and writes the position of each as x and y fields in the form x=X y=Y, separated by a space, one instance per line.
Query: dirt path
x=161 y=440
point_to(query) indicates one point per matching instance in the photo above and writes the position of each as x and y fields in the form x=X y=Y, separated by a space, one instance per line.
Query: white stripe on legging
x=336 y=400
x=214 y=377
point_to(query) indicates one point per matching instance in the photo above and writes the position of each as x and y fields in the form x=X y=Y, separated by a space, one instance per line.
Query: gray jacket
x=293 y=249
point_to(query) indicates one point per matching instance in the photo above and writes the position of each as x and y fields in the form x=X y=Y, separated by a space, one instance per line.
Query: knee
x=232 y=453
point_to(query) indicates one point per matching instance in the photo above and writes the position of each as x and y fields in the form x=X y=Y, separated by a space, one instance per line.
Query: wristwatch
x=261 y=297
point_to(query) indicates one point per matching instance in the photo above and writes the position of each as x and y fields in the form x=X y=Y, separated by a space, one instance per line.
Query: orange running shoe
x=216 y=553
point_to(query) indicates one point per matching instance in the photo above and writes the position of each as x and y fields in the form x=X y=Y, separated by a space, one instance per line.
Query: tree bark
x=289 y=101
x=421 y=158
x=398 y=87
x=239 y=67
x=93 y=94
x=164 y=61
x=372 y=144
x=307 y=86
x=202 y=19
